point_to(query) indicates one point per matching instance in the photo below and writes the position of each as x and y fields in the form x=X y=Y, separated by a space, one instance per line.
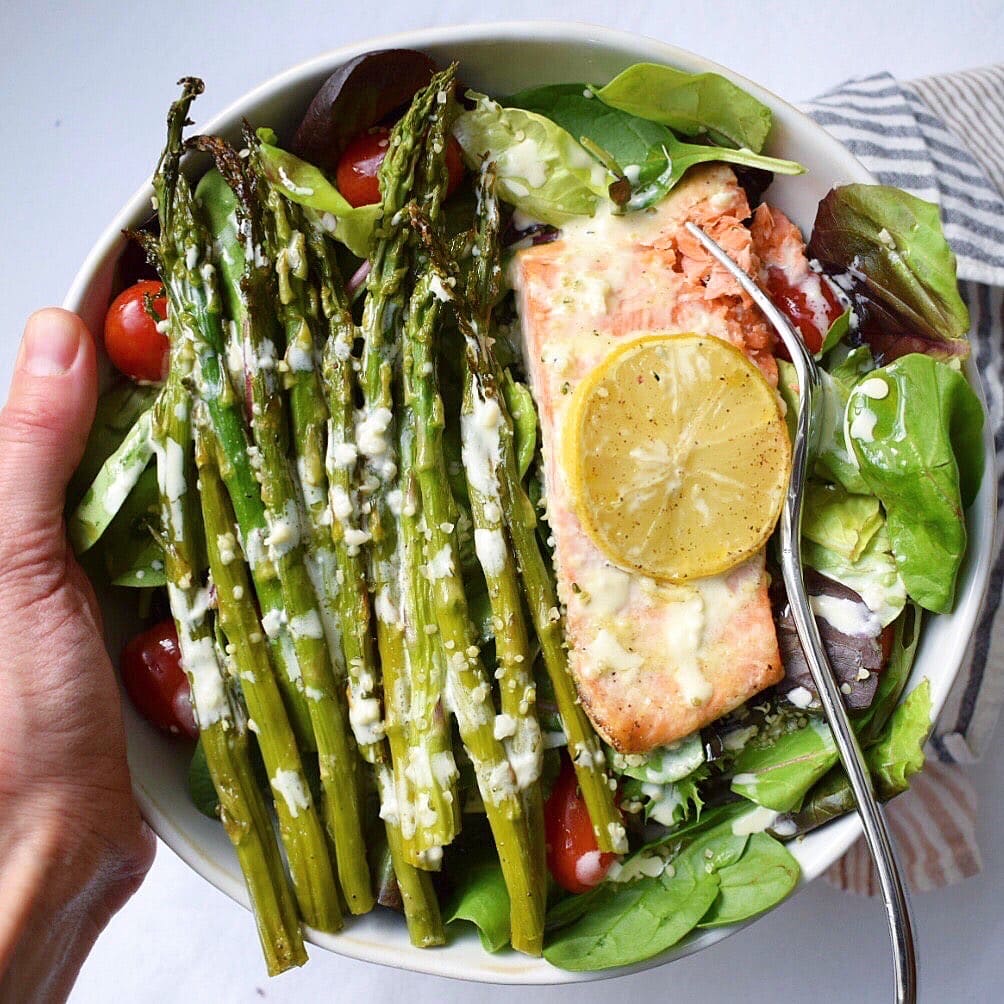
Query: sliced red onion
x=358 y=277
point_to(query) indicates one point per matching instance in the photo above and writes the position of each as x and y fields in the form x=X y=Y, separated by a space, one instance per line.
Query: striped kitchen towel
x=942 y=138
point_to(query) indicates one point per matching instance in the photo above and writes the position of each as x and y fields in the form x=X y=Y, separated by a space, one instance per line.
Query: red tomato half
x=156 y=683
x=811 y=306
x=359 y=165
x=573 y=856
x=132 y=340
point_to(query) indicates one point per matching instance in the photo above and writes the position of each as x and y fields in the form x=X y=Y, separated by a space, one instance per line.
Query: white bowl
x=501 y=59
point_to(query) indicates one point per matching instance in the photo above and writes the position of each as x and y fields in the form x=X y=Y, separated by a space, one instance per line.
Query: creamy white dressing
x=226 y=544
x=491 y=550
x=481 y=447
x=364 y=717
x=289 y=786
x=299 y=359
x=505 y=726
x=371 y=432
x=284 y=530
x=344 y=455
x=254 y=548
x=605 y=653
x=755 y=821
x=607 y=589
x=440 y=565
x=341 y=503
x=847 y=616
x=272 y=622
x=684 y=635
x=862 y=426
x=801 y=697
x=439 y=290
x=306 y=625
x=874 y=387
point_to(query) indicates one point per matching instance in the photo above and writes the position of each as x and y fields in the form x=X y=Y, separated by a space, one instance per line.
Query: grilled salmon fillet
x=652 y=661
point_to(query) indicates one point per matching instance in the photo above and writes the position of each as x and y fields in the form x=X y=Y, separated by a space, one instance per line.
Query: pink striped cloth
x=942 y=138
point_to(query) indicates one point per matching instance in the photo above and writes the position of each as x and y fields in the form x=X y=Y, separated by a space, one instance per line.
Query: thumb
x=43 y=429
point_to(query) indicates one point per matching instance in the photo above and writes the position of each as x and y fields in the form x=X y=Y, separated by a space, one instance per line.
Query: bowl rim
x=842 y=832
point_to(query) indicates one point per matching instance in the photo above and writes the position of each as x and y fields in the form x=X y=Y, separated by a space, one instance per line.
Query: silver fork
x=873 y=820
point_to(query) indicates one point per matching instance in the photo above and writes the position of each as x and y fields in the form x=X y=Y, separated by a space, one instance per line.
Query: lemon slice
x=678 y=456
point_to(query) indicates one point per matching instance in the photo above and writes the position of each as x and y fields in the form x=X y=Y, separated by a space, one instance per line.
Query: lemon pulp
x=678 y=456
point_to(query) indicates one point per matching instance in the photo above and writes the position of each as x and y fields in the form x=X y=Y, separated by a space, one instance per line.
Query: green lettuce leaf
x=777 y=776
x=874 y=575
x=899 y=753
x=646 y=152
x=916 y=430
x=834 y=461
x=840 y=521
x=541 y=169
x=308 y=186
x=665 y=764
x=893 y=678
x=694 y=104
x=892 y=243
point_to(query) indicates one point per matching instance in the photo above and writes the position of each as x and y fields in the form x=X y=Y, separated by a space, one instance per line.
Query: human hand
x=73 y=847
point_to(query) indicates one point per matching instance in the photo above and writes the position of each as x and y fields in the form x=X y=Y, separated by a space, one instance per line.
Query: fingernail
x=50 y=345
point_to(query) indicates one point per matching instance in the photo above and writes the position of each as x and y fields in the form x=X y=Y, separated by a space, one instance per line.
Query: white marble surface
x=85 y=86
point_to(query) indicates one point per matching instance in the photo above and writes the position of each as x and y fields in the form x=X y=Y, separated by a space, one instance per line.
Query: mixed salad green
x=306 y=495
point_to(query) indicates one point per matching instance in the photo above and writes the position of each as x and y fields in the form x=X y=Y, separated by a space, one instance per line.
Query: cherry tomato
x=156 y=683
x=359 y=164
x=801 y=305
x=573 y=856
x=132 y=340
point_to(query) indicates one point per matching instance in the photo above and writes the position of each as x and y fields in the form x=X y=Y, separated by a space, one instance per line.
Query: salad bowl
x=501 y=59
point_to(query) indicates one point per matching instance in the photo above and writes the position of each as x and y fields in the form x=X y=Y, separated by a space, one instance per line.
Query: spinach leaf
x=847 y=366
x=200 y=785
x=131 y=553
x=307 y=185
x=632 y=922
x=541 y=169
x=639 y=911
x=480 y=897
x=693 y=104
x=647 y=153
x=915 y=427
x=118 y=409
x=760 y=879
x=836 y=333
x=778 y=776
x=892 y=245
